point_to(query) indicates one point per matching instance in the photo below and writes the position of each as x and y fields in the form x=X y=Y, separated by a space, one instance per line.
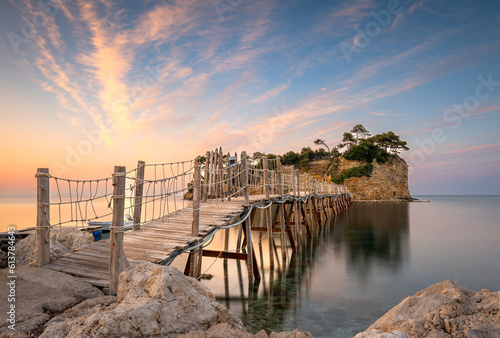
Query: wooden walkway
x=154 y=242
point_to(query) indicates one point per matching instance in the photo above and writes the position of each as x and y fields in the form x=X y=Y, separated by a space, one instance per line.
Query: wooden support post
x=268 y=212
x=139 y=186
x=117 y=260
x=282 y=207
x=248 y=235
x=298 y=221
x=43 y=216
x=244 y=162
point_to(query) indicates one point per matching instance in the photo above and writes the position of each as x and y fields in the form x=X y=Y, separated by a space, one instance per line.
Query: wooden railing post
x=229 y=178
x=196 y=199
x=43 y=216
x=221 y=174
x=268 y=212
x=139 y=186
x=117 y=260
x=244 y=163
x=206 y=177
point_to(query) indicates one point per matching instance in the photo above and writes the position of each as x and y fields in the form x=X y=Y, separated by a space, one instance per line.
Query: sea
x=363 y=263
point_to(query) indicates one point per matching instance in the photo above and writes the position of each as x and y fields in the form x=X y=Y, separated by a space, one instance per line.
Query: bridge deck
x=154 y=242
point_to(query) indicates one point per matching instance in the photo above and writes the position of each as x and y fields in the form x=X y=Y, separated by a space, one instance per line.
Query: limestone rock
x=40 y=293
x=442 y=310
x=152 y=301
x=61 y=241
x=388 y=181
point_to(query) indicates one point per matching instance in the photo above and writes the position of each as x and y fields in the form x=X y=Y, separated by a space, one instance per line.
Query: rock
x=442 y=310
x=3 y=259
x=225 y=330
x=152 y=301
x=61 y=241
x=291 y=334
x=381 y=334
x=40 y=293
x=388 y=181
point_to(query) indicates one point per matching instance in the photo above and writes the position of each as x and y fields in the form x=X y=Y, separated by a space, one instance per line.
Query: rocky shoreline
x=158 y=301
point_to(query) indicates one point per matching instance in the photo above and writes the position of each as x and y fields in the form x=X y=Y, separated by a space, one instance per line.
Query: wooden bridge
x=226 y=193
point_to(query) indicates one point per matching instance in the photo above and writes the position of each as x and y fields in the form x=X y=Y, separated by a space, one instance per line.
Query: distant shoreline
x=391 y=201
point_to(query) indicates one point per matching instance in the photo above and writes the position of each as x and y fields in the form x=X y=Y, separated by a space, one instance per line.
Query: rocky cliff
x=388 y=181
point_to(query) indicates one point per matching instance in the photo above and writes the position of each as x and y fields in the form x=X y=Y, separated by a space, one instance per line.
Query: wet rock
x=61 y=241
x=442 y=310
x=152 y=301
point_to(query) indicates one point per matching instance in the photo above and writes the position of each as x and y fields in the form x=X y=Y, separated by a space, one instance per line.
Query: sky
x=87 y=85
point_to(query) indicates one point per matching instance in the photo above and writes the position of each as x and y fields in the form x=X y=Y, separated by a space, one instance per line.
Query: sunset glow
x=87 y=85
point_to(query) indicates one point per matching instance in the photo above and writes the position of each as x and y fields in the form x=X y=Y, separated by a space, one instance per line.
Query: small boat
x=105 y=225
x=127 y=225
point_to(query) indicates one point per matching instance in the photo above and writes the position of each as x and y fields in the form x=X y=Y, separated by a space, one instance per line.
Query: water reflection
x=374 y=236
x=345 y=252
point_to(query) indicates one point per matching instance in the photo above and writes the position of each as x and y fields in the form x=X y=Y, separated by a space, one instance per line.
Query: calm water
x=373 y=257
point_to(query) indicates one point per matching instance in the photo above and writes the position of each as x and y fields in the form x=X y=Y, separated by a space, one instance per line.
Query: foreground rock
x=152 y=301
x=41 y=293
x=445 y=309
x=61 y=241
x=226 y=331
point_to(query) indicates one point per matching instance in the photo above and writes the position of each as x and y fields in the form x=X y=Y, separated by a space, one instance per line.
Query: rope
x=42 y=174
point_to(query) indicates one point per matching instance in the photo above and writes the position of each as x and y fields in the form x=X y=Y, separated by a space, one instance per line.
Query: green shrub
x=365 y=170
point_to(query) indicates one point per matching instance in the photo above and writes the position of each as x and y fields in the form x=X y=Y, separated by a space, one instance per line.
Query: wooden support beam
x=139 y=186
x=225 y=254
x=43 y=216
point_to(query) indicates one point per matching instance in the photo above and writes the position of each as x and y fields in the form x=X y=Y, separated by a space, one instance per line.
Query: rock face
x=388 y=181
x=445 y=309
x=40 y=293
x=61 y=241
x=152 y=301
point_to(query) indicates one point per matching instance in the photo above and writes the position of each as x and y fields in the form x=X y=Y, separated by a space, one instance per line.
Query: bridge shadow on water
x=350 y=246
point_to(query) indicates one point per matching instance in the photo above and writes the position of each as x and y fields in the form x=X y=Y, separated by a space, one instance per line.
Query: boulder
x=152 y=301
x=61 y=241
x=225 y=330
x=445 y=309
x=40 y=293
